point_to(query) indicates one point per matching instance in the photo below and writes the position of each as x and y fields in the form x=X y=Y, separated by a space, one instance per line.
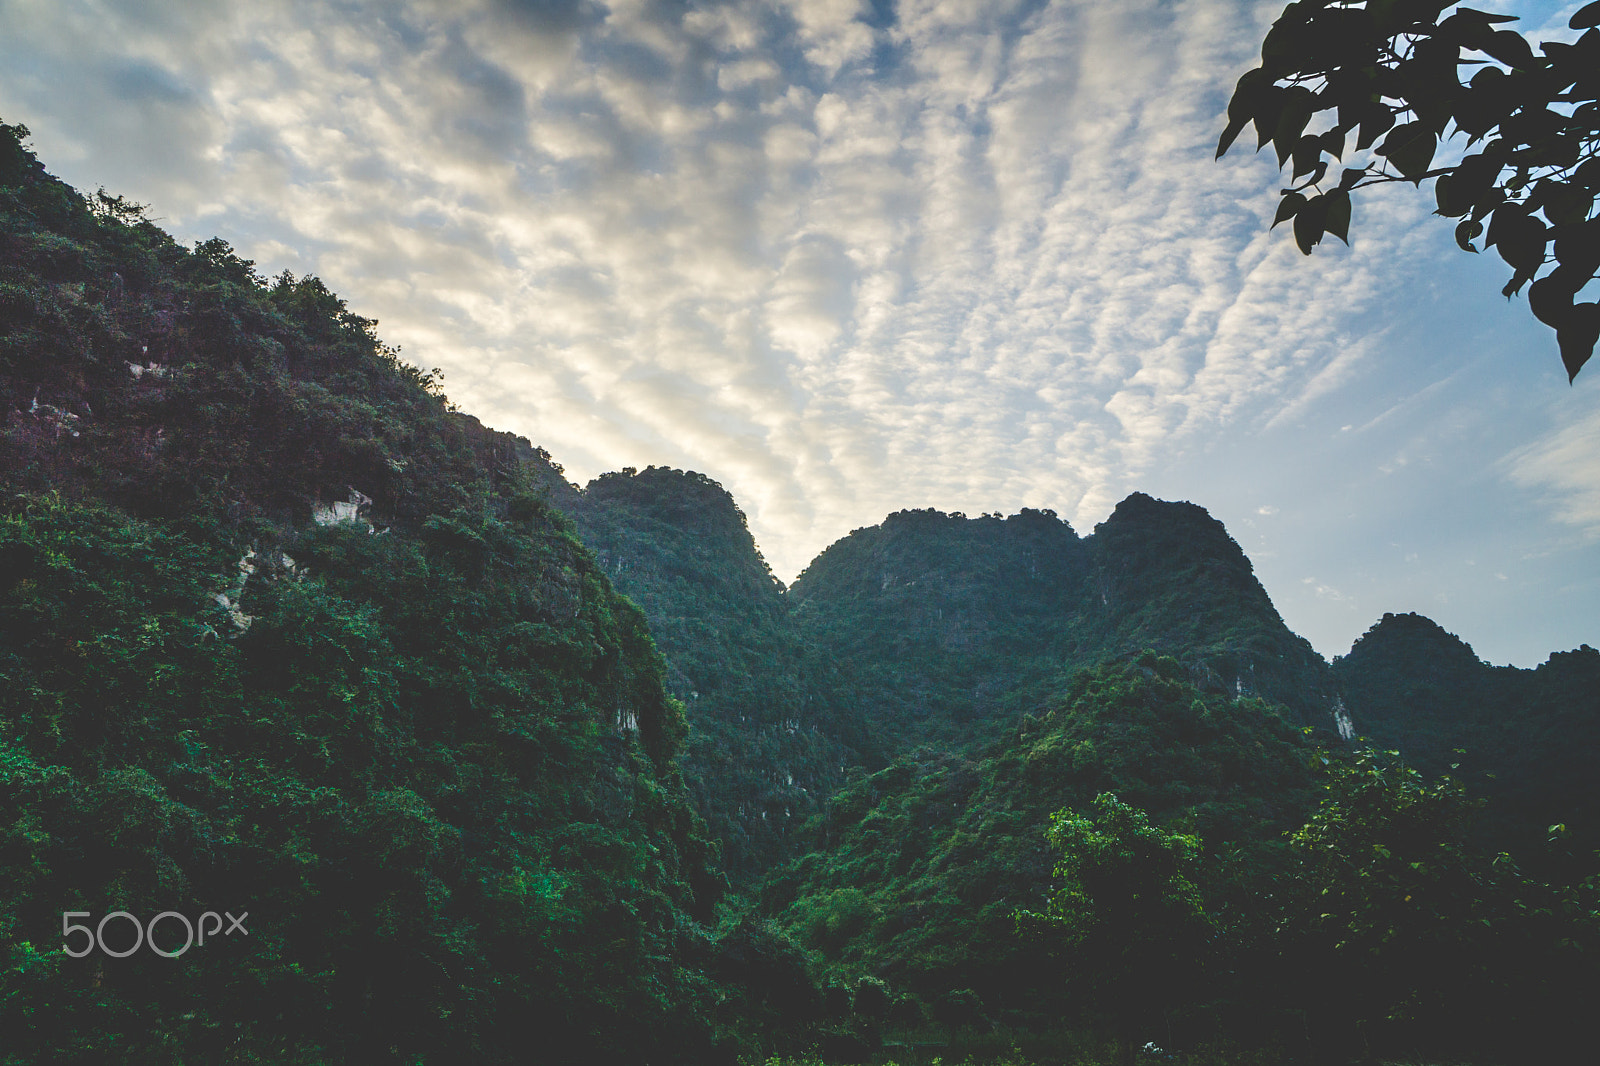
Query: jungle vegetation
x=505 y=769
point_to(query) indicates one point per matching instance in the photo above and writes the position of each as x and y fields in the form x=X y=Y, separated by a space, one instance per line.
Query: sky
x=850 y=257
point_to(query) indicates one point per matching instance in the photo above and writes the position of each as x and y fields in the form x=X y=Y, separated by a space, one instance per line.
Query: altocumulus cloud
x=844 y=257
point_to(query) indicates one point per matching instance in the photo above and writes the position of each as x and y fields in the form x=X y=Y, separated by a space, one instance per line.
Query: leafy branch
x=1389 y=71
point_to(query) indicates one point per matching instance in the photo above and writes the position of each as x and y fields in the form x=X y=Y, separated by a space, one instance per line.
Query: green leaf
x=1565 y=201
x=1550 y=299
x=1472 y=178
x=1486 y=16
x=1519 y=278
x=1511 y=49
x=1307 y=154
x=1248 y=94
x=1578 y=247
x=1269 y=106
x=1230 y=135
x=1379 y=120
x=1295 y=112
x=1521 y=241
x=1577 y=337
x=1585 y=17
x=1466 y=232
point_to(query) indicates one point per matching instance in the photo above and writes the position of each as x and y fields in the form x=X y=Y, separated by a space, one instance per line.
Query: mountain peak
x=686 y=499
x=1142 y=514
x=1168 y=576
x=1412 y=634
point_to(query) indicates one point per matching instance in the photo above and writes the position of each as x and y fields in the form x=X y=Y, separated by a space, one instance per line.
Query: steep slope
x=1168 y=576
x=762 y=751
x=941 y=629
x=284 y=634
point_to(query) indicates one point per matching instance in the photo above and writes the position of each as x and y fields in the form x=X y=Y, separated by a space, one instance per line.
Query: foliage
x=930 y=627
x=922 y=867
x=1396 y=930
x=1523 y=738
x=1218 y=898
x=428 y=749
x=942 y=630
x=1168 y=576
x=1126 y=904
x=1389 y=69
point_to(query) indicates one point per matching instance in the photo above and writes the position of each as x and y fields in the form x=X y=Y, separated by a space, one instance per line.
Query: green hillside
x=427 y=748
x=1168 y=576
x=920 y=869
x=942 y=629
x=1527 y=738
x=930 y=625
x=1150 y=863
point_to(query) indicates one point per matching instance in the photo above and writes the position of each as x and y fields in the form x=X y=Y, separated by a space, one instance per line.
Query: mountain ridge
x=935 y=628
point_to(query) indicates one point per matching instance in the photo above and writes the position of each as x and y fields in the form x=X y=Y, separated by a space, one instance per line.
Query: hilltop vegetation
x=1527 y=738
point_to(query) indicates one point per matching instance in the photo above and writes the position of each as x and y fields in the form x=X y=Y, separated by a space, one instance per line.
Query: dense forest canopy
x=426 y=747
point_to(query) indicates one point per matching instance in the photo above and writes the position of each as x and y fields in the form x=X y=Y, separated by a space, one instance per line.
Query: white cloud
x=977 y=255
x=1564 y=466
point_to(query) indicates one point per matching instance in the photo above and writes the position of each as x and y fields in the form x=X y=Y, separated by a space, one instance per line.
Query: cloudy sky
x=848 y=257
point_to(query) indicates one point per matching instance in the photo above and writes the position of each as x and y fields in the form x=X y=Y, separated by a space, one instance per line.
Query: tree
x=1401 y=928
x=1128 y=911
x=1389 y=71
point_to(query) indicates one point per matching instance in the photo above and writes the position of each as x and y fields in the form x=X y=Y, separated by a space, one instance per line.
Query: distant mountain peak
x=1411 y=634
x=1141 y=514
x=684 y=498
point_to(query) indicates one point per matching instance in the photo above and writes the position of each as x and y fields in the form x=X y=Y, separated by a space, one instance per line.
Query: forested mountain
x=935 y=627
x=930 y=629
x=942 y=627
x=1527 y=738
x=480 y=751
x=916 y=873
x=1210 y=870
x=1168 y=576
x=283 y=633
